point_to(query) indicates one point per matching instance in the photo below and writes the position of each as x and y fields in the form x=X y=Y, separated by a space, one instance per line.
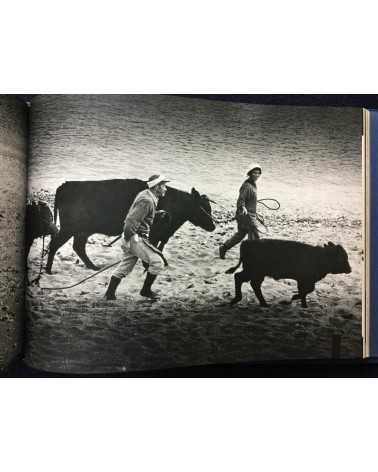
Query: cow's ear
x=330 y=244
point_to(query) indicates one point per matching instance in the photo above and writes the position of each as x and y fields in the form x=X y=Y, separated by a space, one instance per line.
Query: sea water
x=310 y=156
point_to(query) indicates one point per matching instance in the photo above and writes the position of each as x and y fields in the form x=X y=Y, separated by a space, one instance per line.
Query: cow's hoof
x=264 y=305
x=48 y=272
x=150 y=294
x=93 y=267
x=234 y=301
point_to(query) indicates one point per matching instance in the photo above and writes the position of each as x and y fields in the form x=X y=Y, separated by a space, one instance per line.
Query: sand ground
x=76 y=330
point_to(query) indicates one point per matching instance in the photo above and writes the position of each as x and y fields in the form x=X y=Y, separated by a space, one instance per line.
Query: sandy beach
x=76 y=330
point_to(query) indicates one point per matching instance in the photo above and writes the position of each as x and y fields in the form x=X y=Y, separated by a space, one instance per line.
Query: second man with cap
x=245 y=211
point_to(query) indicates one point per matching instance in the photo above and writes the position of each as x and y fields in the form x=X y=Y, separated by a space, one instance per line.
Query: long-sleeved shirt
x=141 y=215
x=247 y=198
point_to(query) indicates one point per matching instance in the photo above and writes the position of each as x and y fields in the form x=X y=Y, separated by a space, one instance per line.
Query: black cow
x=39 y=222
x=287 y=260
x=92 y=207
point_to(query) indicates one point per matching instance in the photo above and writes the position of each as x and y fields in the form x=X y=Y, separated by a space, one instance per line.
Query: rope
x=259 y=216
x=97 y=273
x=269 y=200
x=38 y=278
x=151 y=246
x=83 y=280
x=260 y=219
x=114 y=241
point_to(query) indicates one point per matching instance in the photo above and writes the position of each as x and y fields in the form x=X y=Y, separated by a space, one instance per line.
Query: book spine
x=373 y=230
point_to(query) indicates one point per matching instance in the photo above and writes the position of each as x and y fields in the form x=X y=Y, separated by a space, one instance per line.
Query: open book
x=305 y=276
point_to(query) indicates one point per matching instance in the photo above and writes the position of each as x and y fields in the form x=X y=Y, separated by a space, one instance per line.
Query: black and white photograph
x=168 y=231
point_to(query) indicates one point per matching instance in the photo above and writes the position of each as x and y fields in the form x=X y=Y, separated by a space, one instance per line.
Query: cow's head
x=40 y=220
x=339 y=263
x=200 y=211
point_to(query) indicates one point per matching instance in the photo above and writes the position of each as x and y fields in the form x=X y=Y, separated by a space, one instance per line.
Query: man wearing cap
x=135 y=244
x=245 y=211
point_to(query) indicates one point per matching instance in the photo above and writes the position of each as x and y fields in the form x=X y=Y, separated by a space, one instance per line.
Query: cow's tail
x=56 y=206
x=231 y=270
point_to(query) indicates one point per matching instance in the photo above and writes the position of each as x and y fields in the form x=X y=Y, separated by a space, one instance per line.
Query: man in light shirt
x=245 y=211
x=135 y=244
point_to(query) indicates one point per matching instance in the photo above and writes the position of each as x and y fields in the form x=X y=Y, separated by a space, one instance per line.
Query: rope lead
x=83 y=280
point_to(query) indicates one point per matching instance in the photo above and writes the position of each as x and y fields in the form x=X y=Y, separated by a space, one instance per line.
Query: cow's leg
x=295 y=297
x=240 y=278
x=79 y=243
x=56 y=243
x=256 y=285
x=28 y=243
x=304 y=288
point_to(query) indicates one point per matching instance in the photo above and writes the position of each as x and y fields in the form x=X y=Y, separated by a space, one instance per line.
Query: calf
x=39 y=222
x=281 y=259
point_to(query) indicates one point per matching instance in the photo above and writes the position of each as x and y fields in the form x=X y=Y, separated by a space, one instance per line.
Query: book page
x=13 y=157
x=285 y=179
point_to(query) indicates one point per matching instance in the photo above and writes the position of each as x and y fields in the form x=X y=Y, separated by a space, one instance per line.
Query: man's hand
x=244 y=211
x=134 y=237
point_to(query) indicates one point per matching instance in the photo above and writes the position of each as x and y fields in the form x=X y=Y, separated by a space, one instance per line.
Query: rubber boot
x=146 y=289
x=112 y=287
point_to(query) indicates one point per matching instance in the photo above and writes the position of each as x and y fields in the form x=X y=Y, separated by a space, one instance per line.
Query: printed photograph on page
x=167 y=231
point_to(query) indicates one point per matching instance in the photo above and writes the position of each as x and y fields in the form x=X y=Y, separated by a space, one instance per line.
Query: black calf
x=281 y=259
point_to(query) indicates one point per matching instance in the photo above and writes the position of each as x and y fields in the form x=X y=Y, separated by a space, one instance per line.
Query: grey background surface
x=13 y=156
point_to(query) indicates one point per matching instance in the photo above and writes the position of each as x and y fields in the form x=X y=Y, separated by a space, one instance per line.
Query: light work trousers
x=244 y=229
x=132 y=251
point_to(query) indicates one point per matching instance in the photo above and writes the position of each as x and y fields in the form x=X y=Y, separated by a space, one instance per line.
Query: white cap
x=156 y=179
x=253 y=166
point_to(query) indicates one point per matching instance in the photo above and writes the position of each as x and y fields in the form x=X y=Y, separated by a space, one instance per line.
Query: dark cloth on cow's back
x=38 y=222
